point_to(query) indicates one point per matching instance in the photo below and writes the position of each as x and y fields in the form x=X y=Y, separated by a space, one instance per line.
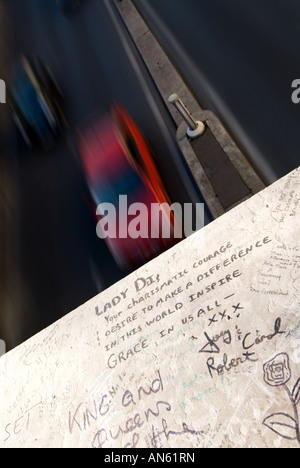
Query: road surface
x=58 y=261
x=240 y=59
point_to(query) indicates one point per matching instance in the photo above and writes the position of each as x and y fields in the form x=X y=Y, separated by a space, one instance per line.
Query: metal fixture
x=195 y=127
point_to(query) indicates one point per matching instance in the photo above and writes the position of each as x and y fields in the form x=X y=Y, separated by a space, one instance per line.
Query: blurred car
x=68 y=5
x=36 y=103
x=117 y=162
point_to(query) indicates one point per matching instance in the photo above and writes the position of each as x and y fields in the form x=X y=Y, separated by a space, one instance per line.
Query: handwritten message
x=182 y=353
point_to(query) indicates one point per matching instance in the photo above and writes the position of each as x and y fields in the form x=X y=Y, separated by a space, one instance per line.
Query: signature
x=248 y=343
x=167 y=433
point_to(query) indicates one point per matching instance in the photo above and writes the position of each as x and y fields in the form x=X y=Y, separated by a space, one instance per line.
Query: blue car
x=36 y=103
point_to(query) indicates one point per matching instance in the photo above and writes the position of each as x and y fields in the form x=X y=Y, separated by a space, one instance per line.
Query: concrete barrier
x=2 y=92
x=198 y=348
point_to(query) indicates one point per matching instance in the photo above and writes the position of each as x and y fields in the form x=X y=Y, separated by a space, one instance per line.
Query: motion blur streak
x=57 y=262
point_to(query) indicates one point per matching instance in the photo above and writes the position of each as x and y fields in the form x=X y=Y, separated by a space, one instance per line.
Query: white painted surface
x=185 y=352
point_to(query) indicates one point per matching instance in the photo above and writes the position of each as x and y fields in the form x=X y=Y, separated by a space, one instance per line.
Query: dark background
x=239 y=59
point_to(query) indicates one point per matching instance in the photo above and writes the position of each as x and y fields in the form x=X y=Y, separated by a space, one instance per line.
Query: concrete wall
x=199 y=348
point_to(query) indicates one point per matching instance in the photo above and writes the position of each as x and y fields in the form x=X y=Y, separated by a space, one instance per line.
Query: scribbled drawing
x=277 y=373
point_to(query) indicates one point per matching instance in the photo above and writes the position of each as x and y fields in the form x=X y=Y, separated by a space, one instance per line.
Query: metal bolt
x=195 y=128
